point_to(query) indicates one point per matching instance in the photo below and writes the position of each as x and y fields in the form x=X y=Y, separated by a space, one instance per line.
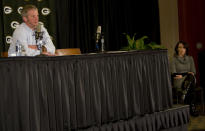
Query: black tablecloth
x=53 y=93
x=174 y=119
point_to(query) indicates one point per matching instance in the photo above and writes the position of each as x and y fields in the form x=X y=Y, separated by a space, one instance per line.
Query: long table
x=82 y=91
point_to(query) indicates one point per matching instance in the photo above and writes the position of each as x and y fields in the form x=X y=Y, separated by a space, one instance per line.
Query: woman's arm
x=192 y=66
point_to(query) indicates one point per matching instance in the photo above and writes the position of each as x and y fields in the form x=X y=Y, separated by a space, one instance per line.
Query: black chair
x=189 y=93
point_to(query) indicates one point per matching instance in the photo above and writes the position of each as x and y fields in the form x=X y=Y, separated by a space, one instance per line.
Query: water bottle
x=18 y=48
x=97 y=46
x=39 y=46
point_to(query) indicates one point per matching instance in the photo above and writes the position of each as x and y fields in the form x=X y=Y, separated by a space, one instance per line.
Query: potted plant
x=142 y=43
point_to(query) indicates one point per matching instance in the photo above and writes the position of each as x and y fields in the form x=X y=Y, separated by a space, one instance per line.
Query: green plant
x=139 y=44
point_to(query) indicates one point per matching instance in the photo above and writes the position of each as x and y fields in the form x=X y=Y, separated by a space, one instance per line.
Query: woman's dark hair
x=186 y=46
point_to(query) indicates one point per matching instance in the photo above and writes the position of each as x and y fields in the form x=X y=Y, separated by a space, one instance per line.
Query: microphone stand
x=97 y=42
x=102 y=43
x=39 y=42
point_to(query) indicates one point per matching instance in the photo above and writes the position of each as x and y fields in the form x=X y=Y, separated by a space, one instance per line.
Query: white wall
x=169 y=32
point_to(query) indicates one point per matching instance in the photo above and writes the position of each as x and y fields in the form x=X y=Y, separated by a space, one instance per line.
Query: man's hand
x=32 y=47
x=48 y=54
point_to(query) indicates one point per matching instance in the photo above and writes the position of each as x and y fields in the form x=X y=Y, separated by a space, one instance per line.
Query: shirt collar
x=27 y=27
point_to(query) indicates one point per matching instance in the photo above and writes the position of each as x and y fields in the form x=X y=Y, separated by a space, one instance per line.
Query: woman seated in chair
x=183 y=76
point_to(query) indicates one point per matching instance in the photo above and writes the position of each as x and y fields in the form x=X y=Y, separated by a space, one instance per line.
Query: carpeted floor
x=197 y=123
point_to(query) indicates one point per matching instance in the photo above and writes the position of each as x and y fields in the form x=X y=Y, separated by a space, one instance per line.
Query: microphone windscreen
x=39 y=27
x=99 y=29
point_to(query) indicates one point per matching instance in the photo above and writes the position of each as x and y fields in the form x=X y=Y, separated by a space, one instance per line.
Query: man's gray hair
x=26 y=8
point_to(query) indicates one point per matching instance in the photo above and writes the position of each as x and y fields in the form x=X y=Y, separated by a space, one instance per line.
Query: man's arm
x=21 y=36
x=50 y=48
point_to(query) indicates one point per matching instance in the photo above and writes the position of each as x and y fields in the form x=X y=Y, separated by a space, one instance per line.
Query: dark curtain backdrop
x=9 y=14
x=1 y=29
x=73 y=23
x=191 y=29
x=77 y=22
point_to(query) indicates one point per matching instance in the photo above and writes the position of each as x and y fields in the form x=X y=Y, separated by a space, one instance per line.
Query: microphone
x=98 y=33
x=38 y=29
x=39 y=37
x=39 y=33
